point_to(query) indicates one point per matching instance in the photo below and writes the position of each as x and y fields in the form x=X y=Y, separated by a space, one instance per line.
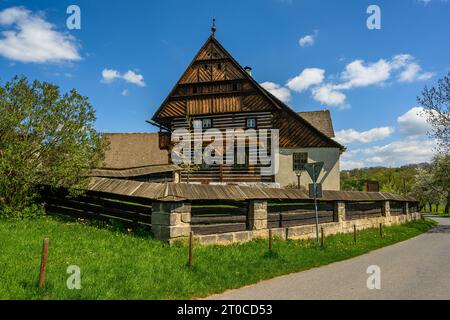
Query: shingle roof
x=191 y=192
x=320 y=119
x=134 y=172
x=133 y=150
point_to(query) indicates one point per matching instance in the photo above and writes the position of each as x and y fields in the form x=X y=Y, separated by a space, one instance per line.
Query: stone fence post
x=171 y=220
x=257 y=215
x=386 y=208
x=339 y=211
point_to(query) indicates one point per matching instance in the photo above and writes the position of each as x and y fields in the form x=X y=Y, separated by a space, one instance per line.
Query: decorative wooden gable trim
x=213 y=83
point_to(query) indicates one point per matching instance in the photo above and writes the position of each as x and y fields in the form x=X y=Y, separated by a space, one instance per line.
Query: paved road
x=415 y=269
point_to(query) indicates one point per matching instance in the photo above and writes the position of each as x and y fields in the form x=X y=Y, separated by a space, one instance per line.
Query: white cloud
x=359 y=74
x=413 y=122
x=327 y=95
x=351 y=164
x=132 y=77
x=401 y=60
x=375 y=134
x=28 y=37
x=110 y=75
x=413 y=72
x=308 y=40
x=125 y=92
x=307 y=78
x=278 y=91
x=397 y=153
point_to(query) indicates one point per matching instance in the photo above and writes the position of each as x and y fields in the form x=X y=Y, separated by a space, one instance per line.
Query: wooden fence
x=220 y=217
x=362 y=210
x=397 y=208
x=130 y=212
x=413 y=207
x=298 y=213
x=133 y=208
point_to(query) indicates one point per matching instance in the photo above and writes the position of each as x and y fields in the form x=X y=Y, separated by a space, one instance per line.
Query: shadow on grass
x=271 y=255
x=142 y=231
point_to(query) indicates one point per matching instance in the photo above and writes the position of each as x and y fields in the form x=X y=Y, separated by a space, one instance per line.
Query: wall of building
x=329 y=176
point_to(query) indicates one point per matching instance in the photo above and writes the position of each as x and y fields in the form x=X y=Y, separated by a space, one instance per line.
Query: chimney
x=248 y=70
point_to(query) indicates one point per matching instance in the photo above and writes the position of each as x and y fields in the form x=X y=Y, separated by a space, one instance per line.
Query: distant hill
x=397 y=180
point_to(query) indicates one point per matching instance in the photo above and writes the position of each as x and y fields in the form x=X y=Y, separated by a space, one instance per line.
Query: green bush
x=46 y=138
x=31 y=211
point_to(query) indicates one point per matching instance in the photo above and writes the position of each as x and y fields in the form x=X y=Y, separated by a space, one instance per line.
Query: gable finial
x=214 y=28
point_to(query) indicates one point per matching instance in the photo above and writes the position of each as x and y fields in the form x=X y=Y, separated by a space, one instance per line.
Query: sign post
x=314 y=170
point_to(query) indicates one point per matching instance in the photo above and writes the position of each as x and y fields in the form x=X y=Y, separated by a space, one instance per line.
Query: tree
x=435 y=102
x=425 y=189
x=441 y=175
x=45 y=139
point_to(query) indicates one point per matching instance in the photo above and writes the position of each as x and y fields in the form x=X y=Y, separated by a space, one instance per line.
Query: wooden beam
x=160 y=126
x=213 y=94
x=216 y=82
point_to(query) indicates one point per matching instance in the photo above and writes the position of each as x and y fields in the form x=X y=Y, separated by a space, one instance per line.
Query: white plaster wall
x=329 y=176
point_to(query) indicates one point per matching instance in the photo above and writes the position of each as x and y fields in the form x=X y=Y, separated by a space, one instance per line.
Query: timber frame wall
x=225 y=173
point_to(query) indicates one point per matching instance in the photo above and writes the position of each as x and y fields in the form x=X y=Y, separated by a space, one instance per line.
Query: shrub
x=46 y=138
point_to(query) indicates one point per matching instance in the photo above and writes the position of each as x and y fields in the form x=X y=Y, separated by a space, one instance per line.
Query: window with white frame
x=207 y=123
x=250 y=123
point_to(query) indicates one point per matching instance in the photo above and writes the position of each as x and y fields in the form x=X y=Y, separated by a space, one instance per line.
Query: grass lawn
x=438 y=210
x=115 y=265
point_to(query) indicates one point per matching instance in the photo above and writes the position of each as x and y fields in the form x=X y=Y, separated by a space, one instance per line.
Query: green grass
x=435 y=209
x=115 y=265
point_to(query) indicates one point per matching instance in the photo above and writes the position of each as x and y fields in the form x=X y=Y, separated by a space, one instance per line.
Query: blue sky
x=312 y=54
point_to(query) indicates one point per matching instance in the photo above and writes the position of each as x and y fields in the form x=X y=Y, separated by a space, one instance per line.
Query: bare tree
x=435 y=101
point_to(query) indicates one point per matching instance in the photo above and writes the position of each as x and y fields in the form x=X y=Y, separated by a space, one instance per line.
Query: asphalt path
x=418 y=268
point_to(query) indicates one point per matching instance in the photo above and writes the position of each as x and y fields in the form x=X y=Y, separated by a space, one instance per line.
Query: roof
x=191 y=192
x=133 y=150
x=134 y=172
x=320 y=119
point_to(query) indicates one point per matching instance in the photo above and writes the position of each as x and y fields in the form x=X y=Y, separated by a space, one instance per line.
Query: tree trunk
x=431 y=207
x=447 y=204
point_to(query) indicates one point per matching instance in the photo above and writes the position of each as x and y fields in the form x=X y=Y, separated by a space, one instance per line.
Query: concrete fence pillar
x=386 y=208
x=257 y=215
x=339 y=211
x=171 y=220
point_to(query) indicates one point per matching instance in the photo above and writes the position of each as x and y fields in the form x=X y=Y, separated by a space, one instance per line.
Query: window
x=197 y=124
x=298 y=160
x=250 y=123
x=205 y=66
x=194 y=89
x=239 y=158
x=206 y=123
x=235 y=87
x=219 y=66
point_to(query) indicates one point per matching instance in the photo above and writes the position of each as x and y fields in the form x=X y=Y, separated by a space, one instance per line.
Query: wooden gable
x=214 y=83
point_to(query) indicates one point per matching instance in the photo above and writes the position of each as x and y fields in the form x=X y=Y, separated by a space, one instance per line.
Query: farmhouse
x=216 y=91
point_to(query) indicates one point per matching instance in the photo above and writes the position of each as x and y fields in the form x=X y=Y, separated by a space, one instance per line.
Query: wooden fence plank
x=218 y=228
